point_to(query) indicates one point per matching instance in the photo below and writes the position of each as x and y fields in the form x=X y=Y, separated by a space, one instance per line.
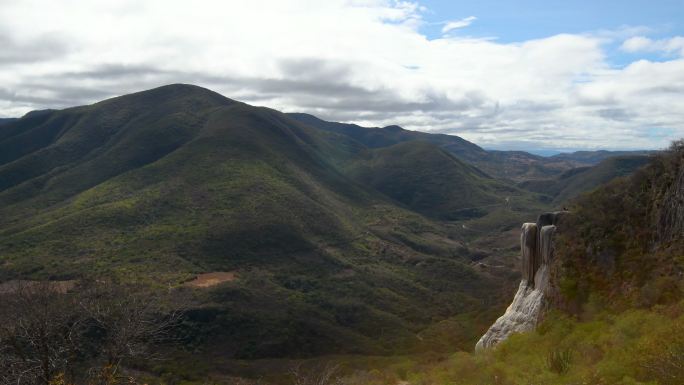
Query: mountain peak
x=187 y=94
x=182 y=87
x=393 y=128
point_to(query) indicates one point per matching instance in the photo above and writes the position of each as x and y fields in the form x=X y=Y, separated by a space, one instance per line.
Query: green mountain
x=576 y=181
x=162 y=185
x=335 y=238
x=514 y=166
x=428 y=179
x=377 y=137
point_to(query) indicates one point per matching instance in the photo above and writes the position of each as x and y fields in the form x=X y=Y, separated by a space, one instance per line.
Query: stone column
x=528 y=246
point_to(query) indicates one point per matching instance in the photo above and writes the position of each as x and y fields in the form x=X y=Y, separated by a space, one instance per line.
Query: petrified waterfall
x=537 y=253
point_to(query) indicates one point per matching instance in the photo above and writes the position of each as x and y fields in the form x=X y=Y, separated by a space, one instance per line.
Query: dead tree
x=124 y=322
x=85 y=334
x=38 y=333
x=322 y=375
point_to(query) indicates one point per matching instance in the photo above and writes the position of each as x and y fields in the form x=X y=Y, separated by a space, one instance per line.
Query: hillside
x=344 y=240
x=515 y=166
x=576 y=181
x=632 y=256
x=162 y=185
x=430 y=180
x=615 y=313
x=377 y=137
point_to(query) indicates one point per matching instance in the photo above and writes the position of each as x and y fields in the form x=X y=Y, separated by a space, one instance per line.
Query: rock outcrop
x=670 y=224
x=536 y=244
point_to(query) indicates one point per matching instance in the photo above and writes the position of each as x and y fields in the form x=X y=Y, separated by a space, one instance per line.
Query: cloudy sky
x=516 y=75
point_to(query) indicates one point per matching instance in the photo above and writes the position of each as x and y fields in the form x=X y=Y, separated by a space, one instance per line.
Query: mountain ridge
x=515 y=166
x=172 y=182
x=574 y=182
x=165 y=184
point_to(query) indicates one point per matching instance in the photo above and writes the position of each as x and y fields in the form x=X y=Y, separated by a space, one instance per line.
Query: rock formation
x=670 y=225
x=537 y=254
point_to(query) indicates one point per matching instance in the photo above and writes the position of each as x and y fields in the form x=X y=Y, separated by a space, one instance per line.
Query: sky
x=532 y=75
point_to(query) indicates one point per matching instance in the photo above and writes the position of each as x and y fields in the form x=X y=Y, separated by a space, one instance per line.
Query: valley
x=296 y=238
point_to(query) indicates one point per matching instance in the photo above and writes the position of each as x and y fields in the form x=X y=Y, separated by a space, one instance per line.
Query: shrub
x=559 y=360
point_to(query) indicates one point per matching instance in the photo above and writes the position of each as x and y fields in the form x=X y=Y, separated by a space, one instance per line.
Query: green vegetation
x=391 y=135
x=576 y=181
x=343 y=239
x=429 y=180
x=518 y=166
x=633 y=347
x=158 y=186
x=619 y=309
x=624 y=240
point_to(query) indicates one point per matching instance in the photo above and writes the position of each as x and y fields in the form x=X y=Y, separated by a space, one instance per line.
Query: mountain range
x=342 y=238
x=513 y=166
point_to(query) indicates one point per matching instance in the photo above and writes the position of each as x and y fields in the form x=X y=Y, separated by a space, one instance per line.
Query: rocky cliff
x=670 y=206
x=536 y=244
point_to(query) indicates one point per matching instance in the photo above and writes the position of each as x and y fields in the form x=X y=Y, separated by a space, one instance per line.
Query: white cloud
x=636 y=44
x=456 y=24
x=364 y=61
x=673 y=45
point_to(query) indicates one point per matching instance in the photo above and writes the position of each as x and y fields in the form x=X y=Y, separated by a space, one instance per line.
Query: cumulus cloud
x=456 y=24
x=643 y=44
x=362 y=61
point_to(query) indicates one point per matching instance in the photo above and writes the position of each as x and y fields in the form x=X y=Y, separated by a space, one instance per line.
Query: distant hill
x=594 y=157
x=428 y=179
x=378 y=137
x=515 y=166
x=518 y=166
x=576 y=181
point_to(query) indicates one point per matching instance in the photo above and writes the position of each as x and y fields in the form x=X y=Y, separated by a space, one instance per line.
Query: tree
x=325 y=375
x=56 y=333
x=123 y=323
x=39 y=330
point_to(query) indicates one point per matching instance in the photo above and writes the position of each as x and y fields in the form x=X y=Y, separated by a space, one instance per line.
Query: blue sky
x=512 y=21
x=518 y=21
x=527 y=75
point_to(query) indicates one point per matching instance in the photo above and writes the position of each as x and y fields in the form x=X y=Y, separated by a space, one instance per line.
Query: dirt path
x=211 y=279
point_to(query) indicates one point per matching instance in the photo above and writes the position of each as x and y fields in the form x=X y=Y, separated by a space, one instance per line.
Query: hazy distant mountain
x=582 y=179
x=594 y=157
x=6 y=120
x=509 y=165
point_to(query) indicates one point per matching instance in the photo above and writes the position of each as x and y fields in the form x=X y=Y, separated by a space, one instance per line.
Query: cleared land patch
x=211 y=279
